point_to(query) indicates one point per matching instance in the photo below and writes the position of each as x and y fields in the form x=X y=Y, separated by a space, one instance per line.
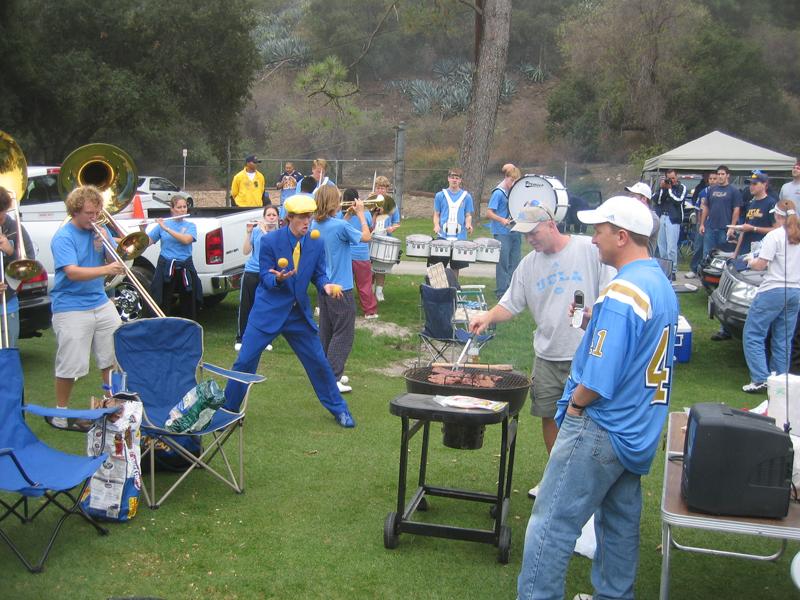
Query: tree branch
x=391 y=7
x=473 y=6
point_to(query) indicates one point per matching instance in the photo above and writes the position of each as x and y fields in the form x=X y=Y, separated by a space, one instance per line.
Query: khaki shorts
x=549 y=381
x=79 y=332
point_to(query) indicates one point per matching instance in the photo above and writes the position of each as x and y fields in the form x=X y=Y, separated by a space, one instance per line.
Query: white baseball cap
x=624 y=212
x=640 y=188
x=531 y=215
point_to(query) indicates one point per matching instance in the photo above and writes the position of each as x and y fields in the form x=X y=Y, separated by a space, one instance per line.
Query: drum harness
x=452 y=227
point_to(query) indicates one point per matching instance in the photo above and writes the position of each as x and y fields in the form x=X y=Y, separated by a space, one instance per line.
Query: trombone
x=385 y=203
x=112 y=171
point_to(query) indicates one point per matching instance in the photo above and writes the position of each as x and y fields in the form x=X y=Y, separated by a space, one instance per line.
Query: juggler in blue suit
x=282 y=307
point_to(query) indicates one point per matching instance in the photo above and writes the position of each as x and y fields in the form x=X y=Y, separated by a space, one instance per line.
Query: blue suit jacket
x=274 y=301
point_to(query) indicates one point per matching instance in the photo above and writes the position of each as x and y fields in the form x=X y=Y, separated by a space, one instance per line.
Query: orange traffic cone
x=138 y=213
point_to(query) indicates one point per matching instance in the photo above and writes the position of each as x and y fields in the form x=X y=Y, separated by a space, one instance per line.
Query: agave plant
x=290 y=52
x=445 y=68
x=509 y=89
x=455 y=100
x=429 y=90
x=421 y=107
x=535 y=73
x=402 y=86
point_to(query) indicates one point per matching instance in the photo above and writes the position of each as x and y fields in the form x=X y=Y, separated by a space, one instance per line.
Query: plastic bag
x=587 y=543
x=113 y=492
x=195 y=411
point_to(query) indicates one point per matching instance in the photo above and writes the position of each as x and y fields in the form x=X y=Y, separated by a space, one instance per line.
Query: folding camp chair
x=439 y=333
x=470 y=300
x=31 y=468
x=160 y=358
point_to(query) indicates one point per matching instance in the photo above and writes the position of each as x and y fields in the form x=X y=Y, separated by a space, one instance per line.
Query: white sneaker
x=583 y=597
x=373 y=316
x=237 y=346
x=343 y=389
x=534 y=491
x=344 y=379
x=268 y=348
x=690 y=275
x=379 y=296
x=59 y=422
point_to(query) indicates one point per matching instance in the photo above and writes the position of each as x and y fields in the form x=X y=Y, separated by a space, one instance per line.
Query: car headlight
x=743 y=293
x=718 y=263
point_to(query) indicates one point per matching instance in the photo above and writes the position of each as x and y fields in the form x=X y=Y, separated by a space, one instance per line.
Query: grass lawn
x=310 y=524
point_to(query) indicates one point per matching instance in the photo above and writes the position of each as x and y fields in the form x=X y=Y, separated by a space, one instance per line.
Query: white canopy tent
x=716 y=148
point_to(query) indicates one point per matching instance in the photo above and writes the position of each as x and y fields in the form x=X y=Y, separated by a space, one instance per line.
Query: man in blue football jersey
x=610 y=416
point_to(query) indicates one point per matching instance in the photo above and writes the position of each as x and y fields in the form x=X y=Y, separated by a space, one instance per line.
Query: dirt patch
x=397 y=369
x=383 y=328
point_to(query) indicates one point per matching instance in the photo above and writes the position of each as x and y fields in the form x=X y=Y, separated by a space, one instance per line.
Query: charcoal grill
x=417 y=412
x=512 y=388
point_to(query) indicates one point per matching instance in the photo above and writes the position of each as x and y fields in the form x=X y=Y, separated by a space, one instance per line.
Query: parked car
x=162 y=189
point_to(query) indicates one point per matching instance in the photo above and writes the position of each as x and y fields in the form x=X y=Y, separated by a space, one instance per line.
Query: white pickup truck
x=217 y=253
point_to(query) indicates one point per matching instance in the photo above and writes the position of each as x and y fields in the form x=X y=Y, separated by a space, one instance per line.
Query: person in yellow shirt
x=248 y=187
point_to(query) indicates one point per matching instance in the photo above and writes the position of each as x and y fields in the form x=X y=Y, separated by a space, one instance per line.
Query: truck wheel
x=213 y=301
x=130 y=304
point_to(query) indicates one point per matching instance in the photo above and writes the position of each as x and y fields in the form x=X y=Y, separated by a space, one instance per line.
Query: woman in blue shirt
x=250 y=279
x=175 y=270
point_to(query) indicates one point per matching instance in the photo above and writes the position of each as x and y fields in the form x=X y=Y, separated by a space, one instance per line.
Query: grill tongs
x=463 y=352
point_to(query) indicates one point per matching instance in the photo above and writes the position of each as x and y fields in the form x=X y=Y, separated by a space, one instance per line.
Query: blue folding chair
x=161 y=358
x=33 y=469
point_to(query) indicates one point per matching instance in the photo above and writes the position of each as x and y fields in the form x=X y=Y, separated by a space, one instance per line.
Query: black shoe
x=720 y=337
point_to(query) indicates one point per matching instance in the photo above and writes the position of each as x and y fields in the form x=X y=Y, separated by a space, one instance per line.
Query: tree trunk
x=476 y=143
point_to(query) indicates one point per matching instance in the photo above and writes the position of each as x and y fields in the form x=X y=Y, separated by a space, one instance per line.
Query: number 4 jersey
x=626 y=356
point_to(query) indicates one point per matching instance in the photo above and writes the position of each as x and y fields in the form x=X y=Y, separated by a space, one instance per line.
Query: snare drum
x=488 y=250
x=465 y=251
x=384 y=249
x=441 y=248
x=547 y=190
x=418 y=244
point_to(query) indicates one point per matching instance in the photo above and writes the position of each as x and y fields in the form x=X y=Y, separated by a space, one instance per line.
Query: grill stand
x=417 y=411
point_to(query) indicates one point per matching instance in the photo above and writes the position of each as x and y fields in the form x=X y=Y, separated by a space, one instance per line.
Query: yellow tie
x=296 y=255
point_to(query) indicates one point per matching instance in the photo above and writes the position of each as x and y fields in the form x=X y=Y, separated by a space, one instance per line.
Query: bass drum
x=547 y=190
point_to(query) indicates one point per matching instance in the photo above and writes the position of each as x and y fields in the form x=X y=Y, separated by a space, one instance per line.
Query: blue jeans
x=697 y=251
x=510 y=255
x=668 y=237
x=776 y=312
x=713 y=238
x=582 y=477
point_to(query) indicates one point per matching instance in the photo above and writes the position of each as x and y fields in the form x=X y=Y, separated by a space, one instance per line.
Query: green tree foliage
x=129 y=70
x=665 y=70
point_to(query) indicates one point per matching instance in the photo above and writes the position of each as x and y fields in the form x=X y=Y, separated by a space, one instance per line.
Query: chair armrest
x=10 y=453
x=44 y=411
x=235 y=375
x=472 y=286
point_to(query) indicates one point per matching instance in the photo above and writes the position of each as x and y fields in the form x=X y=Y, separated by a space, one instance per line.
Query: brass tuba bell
x=113 y=172
x=14 y=177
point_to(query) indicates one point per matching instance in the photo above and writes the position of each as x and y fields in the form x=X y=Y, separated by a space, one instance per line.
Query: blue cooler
x=683 y=341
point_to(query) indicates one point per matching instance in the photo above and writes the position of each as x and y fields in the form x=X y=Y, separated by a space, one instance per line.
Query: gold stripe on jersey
x=627 y=293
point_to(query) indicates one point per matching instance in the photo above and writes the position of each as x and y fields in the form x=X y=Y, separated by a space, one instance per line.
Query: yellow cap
x=300 y=204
